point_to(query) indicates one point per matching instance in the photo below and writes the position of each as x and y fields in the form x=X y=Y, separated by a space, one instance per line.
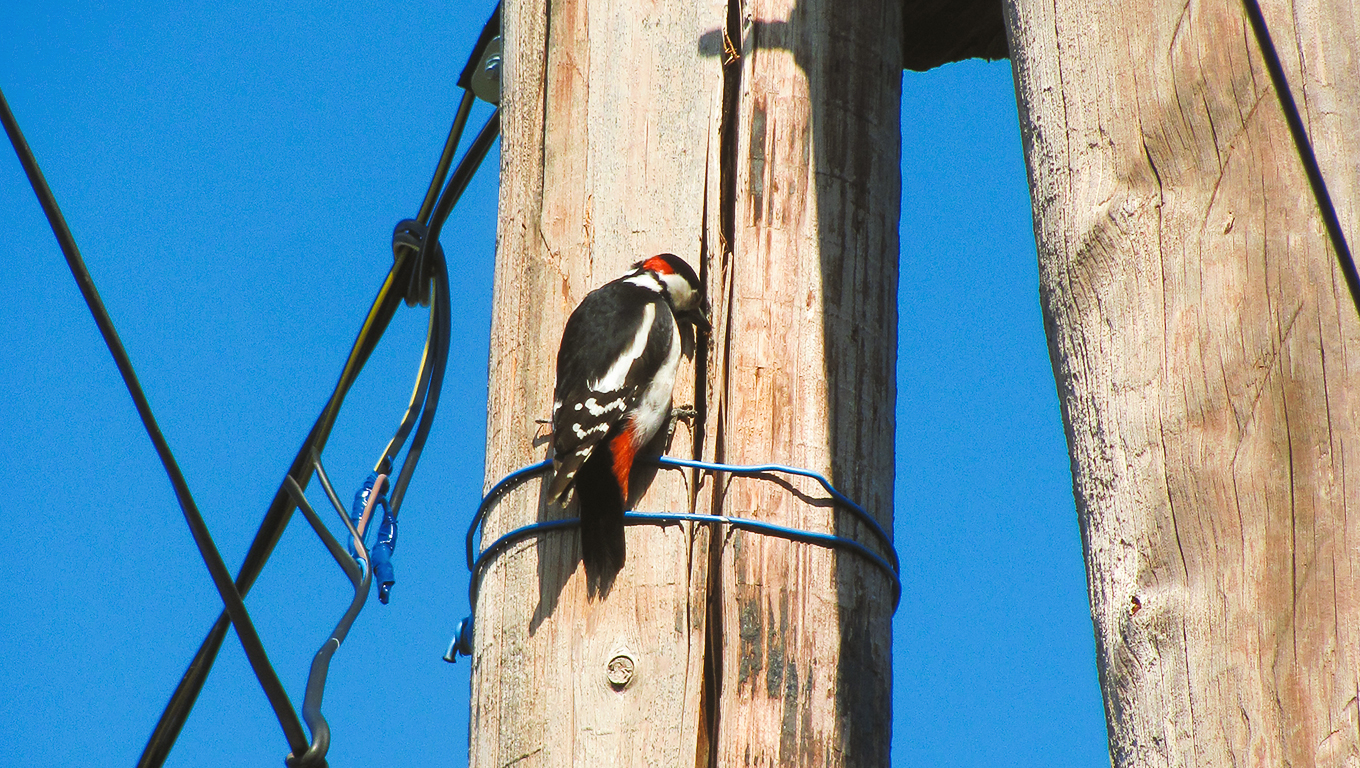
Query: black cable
x=468 y=166
x=280 y=509
x=231 y=598
x=430 y=253
x=275 y=520
x=471 y=161
x=441 y=336
x=406 y=269
x=430 y=249
x=446 y=159
x=1305 y=149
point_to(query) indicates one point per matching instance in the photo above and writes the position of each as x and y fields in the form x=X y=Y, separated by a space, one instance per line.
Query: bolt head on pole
x=620 y=670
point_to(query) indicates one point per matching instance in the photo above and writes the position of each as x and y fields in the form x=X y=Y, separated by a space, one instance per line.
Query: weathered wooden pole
x=1207 y=356
x=606 y=121
x=804 y=364
x=760 y=141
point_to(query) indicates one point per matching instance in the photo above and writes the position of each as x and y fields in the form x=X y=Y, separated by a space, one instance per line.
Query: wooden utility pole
x=1207 y=356
x=759 y=141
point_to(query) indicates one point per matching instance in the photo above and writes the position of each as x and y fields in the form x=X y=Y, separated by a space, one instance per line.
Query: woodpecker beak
x=699 y=316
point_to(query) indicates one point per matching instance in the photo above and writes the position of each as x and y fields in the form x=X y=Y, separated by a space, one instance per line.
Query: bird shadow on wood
x=557 y=558
x=558 y=552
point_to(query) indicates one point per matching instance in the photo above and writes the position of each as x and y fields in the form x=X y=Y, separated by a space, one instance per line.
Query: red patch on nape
x=659 y=264
x=623 y=450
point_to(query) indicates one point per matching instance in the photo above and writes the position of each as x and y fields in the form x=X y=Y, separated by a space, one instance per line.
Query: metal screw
x=620 y=670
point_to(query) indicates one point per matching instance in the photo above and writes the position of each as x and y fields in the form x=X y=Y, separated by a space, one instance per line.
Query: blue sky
x=232 y=172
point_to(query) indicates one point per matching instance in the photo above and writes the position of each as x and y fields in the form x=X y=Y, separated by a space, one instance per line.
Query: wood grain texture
x=762 y=144
x=606 y=111
x=807 y=353
x=1207 y=357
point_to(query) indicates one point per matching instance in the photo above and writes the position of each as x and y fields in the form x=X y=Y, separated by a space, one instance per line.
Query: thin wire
x=471 y=161
x=1305 y=149
x=442 y=323
x=361 y=579
x=418 y=396
x=477 y=560
x=330 y=489
x=231 y=598
x=761 y=469
x=502 y=486
x=519 y=476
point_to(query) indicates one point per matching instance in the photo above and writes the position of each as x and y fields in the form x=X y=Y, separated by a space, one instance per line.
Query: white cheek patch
x=681 y=292
x=613 y=378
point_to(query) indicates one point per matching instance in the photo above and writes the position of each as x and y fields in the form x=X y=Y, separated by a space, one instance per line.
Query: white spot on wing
x=582 y=433
x=613 y=378
x=599 y=410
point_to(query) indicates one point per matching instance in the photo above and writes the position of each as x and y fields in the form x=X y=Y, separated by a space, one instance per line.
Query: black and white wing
x=612 y=347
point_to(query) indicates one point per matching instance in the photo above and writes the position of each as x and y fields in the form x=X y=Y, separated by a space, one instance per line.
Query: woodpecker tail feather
x=561 y=481
x=600 y=502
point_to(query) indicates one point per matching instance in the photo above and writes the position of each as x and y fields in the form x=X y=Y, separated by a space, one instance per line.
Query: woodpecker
x=615 y=370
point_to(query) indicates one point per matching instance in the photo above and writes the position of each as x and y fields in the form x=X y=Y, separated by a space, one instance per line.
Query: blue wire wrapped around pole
x=477 y=561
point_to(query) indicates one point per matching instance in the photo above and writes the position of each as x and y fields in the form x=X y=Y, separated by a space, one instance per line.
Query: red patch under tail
x=623 y=449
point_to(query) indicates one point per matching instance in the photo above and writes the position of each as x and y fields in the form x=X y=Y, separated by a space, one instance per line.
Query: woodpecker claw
x=685 y=413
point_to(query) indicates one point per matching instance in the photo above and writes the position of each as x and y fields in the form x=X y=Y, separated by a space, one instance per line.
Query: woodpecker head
x=680 y=285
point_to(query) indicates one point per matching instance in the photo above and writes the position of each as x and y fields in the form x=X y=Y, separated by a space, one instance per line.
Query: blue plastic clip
x=381 y=552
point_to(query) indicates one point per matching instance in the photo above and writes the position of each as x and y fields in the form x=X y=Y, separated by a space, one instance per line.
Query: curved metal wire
x=670 y=518
x=478 y=560
x=750 y=470
x=361 y=578
x=519 y=476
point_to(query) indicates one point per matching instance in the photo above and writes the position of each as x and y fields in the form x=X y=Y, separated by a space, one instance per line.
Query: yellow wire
x=415 y=390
